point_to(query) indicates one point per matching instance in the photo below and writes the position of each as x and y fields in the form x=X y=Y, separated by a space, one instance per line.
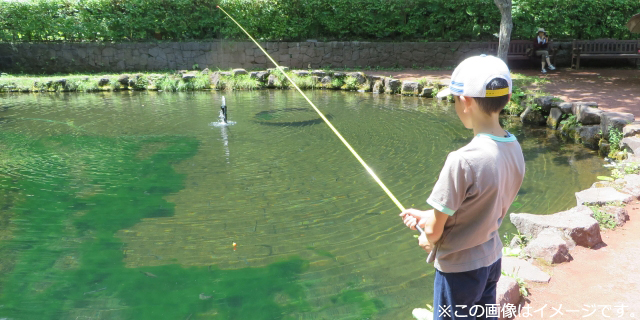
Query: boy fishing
x=476 y=186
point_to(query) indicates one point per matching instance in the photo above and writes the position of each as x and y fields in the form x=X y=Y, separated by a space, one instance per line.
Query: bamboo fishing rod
x=344 y=141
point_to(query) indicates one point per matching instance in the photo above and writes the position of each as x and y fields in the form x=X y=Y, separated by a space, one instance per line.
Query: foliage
x=615 y=136
x=604 y=219
x=522 y=285
x=336 y=83
x=570 y=122
x=422 y=20
x=350 y=83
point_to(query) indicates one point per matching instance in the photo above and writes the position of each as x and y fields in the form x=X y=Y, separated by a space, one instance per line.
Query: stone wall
x=116 y=57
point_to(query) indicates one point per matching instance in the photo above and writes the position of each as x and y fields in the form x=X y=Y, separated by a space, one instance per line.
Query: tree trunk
x=506 y=25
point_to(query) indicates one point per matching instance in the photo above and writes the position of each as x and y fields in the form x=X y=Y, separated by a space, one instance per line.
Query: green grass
x=604 y=219
x=350 y=83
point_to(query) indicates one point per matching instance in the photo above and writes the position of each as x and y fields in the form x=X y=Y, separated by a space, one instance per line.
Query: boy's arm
x=431 y=221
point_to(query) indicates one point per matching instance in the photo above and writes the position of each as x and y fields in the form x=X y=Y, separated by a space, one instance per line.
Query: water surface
x=126 y=205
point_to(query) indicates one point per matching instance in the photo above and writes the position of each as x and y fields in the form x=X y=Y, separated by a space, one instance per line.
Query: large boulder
x=576 y=105
x=123 y=79
x=300 y=73
x=631 y=185
x=318 y=73
x=392 y=85
x=507 y=293
x=524 y=269
x=410 y=88
x=601 y=196
x=554 y=118
x=326 y=81
x=272 y=80
x=631 y=129
x=566 y=107
x=589 y=135
x=545 y=102
x=239 y=71
x=617 y=120
x=575 y=224
x=631 y=143
x=103 y=82
x=549 y=246
x=426 y=92
x=588 y=115
x=532 y=116
x=360 y=76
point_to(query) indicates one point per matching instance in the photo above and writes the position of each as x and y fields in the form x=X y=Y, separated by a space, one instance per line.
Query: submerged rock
x=575 y=224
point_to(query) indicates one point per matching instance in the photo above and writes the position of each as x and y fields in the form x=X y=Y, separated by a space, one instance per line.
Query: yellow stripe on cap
x=497 y=92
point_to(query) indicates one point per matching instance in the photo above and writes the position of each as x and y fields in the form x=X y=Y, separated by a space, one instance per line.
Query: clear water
x=127 y=205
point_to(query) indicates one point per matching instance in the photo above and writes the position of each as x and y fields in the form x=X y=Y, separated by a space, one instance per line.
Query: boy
x=476 y=186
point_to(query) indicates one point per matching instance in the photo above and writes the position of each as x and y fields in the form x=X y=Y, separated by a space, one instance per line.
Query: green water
x=126 y=205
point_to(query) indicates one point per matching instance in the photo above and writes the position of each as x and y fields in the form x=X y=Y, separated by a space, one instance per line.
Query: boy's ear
x=466 y=102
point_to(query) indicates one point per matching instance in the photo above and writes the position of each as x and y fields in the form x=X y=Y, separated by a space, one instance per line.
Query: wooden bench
x=521 y=50
x=604 y=49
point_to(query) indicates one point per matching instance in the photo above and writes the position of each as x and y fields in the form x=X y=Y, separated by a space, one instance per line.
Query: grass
x=604 y=219
x=350 y=84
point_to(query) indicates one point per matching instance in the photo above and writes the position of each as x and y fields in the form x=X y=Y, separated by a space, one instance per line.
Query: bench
x=604 y=49
x=521 y=50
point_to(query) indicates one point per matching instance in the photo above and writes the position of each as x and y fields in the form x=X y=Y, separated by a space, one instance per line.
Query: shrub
x=423 y=20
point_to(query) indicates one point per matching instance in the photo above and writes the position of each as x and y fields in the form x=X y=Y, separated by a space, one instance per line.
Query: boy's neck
x=488 y=124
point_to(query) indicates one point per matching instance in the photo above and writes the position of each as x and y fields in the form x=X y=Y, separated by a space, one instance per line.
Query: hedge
x=384 y=20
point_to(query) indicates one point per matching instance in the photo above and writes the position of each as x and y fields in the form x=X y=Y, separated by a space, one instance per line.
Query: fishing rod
x=344 y=141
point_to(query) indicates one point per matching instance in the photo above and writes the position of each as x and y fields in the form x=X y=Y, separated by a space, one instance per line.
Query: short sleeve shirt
x=477 y=185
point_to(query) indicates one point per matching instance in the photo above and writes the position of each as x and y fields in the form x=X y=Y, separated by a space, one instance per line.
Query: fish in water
x=204 y=296
x=149 y=274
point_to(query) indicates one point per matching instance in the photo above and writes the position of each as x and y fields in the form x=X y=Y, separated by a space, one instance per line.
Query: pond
x=126 y=205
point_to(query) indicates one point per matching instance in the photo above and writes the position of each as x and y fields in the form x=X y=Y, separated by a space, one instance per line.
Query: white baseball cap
x=471 y=76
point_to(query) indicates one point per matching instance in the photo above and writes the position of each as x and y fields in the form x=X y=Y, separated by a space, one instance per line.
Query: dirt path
x=613 y=89
x=602 y=279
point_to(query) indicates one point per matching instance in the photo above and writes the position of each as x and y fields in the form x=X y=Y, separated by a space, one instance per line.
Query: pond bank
x=603 y=276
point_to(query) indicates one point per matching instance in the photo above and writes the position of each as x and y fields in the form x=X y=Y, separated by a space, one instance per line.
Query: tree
x=506 y=25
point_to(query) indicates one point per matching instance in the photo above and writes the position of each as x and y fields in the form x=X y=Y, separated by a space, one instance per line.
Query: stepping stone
x=549 y=246
x=601 y=196
x=524 y=269
x=507 y=292
x=575 y=224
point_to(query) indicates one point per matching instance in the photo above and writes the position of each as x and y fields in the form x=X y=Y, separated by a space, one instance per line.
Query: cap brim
x=444 y=93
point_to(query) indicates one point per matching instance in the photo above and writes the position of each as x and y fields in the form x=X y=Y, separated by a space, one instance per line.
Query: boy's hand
x=424 y=243
x=411 y=217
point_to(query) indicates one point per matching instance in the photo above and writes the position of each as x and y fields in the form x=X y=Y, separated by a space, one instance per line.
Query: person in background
x=541 y=48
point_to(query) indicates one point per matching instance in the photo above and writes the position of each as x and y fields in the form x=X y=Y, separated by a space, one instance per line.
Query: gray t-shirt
x=476 y=187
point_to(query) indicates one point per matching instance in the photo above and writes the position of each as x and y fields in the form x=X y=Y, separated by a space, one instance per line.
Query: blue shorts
x=467 y=295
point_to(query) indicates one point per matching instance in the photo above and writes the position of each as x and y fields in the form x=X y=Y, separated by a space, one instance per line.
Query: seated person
x=541 y=48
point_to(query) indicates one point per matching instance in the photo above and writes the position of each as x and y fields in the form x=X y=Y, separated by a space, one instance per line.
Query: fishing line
x=344 y=141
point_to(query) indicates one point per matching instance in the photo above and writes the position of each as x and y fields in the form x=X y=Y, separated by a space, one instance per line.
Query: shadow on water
x=64 y=261
x=281 y=117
